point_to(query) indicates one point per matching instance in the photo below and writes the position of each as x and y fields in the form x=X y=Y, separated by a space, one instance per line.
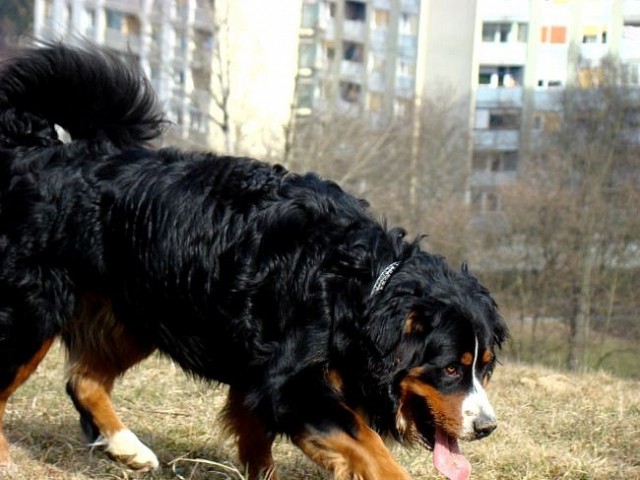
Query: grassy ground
x=618 y=355
x=552 y=426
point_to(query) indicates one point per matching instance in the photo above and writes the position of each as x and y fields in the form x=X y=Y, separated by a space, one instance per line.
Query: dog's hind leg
x=100 y=350
x=253 y=440
x=10 y=381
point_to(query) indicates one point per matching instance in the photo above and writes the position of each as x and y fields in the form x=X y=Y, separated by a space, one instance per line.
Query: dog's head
x=438 y=330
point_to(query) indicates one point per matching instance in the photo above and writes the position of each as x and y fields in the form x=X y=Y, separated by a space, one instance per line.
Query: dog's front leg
x=356 y=452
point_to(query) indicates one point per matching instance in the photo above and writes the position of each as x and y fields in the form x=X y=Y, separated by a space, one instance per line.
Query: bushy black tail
x=90 y=93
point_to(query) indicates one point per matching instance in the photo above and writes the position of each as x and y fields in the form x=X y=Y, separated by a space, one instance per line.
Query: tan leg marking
x=254 y=442
x=363 y=458
x=24 y=372
x=100 y=350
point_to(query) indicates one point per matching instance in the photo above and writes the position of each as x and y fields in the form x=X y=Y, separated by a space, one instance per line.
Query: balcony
x=351 y=71
x=496 y=53
x=408 y=46
x=503 y=97
x=631 y=10
x=376 y=82
x=491 y=179
x=592 y=53
x=499 y=140
x=205 y=18
x=382 y=4
x=504 y=10
x=548 y=100
x=630 y=46
x=353 y=30
x=119 y=41
x=379 y=40
x=201 y=99
x=410 y=6
x=329 y=29
x=128 y=6
x=405 y=86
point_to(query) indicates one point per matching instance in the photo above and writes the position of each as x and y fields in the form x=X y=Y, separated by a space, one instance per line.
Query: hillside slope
x=552 y=426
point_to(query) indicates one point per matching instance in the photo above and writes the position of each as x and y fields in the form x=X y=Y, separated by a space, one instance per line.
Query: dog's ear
x=385 y=324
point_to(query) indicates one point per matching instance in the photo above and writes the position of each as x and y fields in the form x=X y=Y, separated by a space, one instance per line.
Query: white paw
x=125 y=447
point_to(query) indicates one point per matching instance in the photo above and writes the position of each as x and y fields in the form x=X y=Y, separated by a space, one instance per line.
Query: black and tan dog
x=327 y=327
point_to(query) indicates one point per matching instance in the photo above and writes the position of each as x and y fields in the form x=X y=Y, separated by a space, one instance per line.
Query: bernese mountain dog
x=329 y=328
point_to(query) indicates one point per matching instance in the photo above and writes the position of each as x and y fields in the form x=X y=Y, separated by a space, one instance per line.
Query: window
x=355 y=11
x=502 y=76
x=402 y=107
x=630 y=73
x=198 y=121
x=523 y=32
x=378 y=63
x=375 y=102
x=352 y=51
x=504 y=119
x=594 y=34
x=304 y=95
x=114 y=20
x=408 y=24
x=495 y=32
x=404 y=68
x=381 y=18
x=492 y=202
x=306 y=56
x=329 y=53
x=350 y=92
x=485 y=201
x=631 y=32
x=309 y=15
x=554 y=34
x=537 y=122
x=495 y=162
x=484 y=78
x=179 y=77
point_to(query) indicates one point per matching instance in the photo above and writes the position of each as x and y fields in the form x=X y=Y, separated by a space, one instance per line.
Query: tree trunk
x=580 y=323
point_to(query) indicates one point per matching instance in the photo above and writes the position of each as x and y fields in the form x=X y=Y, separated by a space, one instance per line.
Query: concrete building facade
x=507 y=61
x=223 y=70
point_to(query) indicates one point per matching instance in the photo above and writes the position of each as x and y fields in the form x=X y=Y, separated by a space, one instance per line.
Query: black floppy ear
x=385 y=324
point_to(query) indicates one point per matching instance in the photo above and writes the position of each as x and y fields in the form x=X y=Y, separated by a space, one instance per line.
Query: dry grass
x=553 y=426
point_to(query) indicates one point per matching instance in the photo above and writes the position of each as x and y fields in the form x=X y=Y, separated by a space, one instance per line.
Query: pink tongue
x=448 y=458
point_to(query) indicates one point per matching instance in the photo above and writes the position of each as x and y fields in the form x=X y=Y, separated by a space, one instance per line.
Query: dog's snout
x=483 y=426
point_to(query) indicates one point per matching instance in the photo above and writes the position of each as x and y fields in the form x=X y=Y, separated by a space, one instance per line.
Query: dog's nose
x=483 y=426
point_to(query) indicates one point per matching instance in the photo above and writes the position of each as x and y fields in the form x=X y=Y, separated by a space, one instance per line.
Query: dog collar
x=383 y=278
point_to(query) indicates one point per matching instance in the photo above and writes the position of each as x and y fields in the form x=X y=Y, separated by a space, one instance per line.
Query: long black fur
x=238 y=270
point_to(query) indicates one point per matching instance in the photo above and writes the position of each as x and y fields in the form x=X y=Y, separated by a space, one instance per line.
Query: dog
x=328 y=327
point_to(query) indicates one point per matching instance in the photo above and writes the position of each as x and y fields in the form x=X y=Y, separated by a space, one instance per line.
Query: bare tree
x=413 y=168
x=220 y=89
x=368 y=161
x=440 y=174
x=572 y=216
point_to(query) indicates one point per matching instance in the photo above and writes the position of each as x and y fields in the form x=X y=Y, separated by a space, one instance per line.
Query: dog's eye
x=452 y=370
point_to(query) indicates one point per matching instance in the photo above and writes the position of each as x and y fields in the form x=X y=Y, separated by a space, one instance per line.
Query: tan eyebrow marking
x=466 y=359
x=487 y=357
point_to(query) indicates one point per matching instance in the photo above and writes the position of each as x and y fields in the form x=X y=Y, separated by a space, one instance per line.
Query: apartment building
x=506 y=60
x=223 y=70
x=358 y=56
x=527 y=53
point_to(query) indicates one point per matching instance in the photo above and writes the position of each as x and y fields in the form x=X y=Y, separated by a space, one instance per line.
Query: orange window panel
x=558 y=34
